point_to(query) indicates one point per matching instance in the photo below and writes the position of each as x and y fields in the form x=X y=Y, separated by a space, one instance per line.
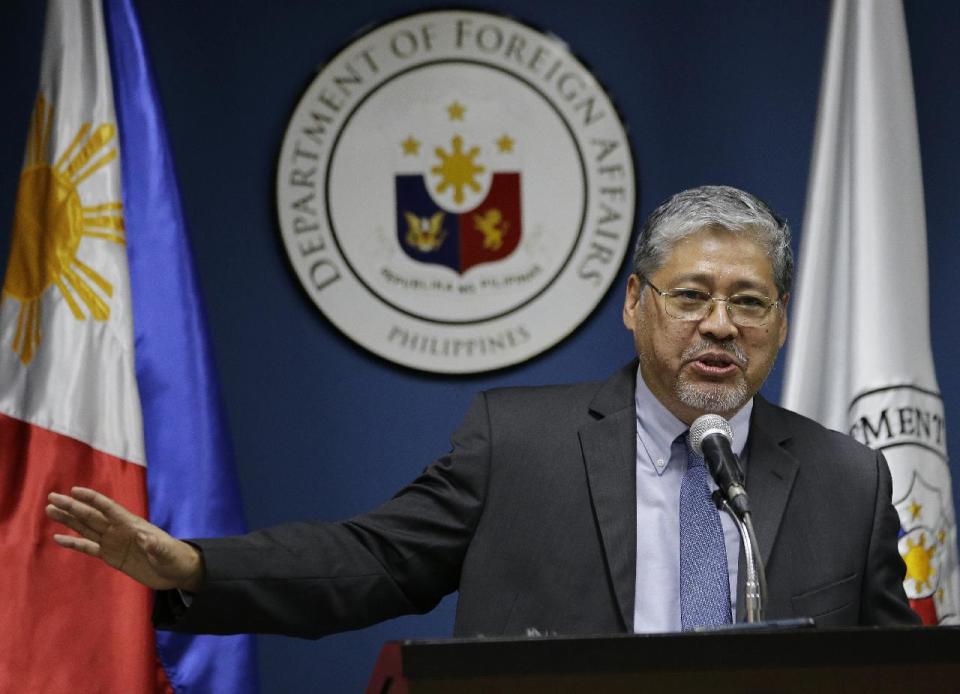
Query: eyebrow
x=701 y=278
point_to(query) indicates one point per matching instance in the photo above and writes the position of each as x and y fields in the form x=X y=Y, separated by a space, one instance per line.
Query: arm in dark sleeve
x=310 y=579
x=884 y=602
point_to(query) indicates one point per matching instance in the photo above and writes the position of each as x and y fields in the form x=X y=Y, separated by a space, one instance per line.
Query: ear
x=783 y=319
x=631 y=301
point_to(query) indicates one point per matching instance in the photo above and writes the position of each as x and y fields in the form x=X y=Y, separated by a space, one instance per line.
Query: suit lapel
x=770 y=475
x=771 y=471
x=609 y=453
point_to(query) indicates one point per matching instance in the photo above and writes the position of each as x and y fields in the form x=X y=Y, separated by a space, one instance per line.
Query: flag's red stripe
x=67 y=622
x=926 y=609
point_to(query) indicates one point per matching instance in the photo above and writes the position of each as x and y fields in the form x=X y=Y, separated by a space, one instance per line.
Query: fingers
x=72 y=522
x=79 y=544
x=80 y=512
x=107 y=507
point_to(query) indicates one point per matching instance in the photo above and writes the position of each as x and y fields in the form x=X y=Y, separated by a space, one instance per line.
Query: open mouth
x=715 y=364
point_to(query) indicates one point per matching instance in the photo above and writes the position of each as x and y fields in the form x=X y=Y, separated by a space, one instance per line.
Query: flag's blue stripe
x=191 y=483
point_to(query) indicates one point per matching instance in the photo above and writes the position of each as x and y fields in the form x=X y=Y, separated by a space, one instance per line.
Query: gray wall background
x=712 y=92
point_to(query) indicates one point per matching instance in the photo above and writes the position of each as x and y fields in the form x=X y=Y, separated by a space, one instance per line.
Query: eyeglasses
x=745 y=310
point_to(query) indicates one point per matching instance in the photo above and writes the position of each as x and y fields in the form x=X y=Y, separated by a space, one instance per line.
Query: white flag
x=859 y=358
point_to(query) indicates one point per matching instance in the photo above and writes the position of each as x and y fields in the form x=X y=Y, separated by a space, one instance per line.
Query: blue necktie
x=704 y=583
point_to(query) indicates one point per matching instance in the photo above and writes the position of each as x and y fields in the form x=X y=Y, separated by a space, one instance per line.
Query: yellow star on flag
x=456 y=110
x=411 y=146
x=505 y=143
x=915 y=510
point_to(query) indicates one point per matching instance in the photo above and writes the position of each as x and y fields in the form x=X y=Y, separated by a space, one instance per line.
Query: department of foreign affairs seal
x=456 y=191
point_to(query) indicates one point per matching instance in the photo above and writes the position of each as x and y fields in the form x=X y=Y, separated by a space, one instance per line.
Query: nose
x=717 y=323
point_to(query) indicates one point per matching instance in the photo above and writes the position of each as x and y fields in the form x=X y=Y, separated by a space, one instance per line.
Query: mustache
x=705 y=345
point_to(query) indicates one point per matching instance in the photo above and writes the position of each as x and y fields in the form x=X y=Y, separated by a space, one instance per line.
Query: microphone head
x=705 y=425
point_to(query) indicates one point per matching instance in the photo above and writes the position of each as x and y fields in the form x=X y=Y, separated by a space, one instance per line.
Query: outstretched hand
x=125 y=541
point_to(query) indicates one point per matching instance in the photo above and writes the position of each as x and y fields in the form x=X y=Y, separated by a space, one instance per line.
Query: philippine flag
x=106 y=379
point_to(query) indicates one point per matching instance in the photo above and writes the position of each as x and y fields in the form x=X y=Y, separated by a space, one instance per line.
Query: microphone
x=711 y=438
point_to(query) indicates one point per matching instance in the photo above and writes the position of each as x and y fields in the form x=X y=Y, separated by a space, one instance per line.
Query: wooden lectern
x=909 y=659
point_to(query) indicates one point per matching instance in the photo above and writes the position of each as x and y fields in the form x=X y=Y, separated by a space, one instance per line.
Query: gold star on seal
x=456 y=110
x=505 y=144
x=411 y=146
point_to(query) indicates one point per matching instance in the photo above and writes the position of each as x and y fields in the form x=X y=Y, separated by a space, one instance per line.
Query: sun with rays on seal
x=51 y=219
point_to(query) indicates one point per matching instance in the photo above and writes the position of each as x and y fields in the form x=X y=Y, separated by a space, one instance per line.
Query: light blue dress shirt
x=661 y=464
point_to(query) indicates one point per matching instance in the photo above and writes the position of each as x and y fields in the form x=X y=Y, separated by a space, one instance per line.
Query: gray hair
x=721 y=207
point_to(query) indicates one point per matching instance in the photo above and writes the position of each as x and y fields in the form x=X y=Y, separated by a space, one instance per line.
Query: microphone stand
x=755 y=593
x=755 y=585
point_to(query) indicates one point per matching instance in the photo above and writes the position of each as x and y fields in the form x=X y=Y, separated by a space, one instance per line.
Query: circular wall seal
x=456 y=191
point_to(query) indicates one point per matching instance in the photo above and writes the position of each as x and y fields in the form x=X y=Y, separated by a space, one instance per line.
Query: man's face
x=711 y=365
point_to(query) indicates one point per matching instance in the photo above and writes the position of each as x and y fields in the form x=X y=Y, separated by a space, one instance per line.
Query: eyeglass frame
x=713 y=300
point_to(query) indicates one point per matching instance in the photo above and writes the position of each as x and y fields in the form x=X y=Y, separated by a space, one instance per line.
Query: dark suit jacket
x=532 y=517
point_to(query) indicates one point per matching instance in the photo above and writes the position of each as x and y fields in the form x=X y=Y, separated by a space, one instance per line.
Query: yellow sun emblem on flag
x=49 y=222
x=919 y=561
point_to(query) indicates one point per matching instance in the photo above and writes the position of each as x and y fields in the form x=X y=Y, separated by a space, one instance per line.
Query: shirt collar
x=659 y=425
x=662 y=427
x=740 y=425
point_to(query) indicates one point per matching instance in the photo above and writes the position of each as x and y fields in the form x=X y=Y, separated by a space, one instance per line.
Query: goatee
x=716 y=398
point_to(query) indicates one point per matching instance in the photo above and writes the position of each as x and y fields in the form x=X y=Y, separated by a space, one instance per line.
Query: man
x=578 y=508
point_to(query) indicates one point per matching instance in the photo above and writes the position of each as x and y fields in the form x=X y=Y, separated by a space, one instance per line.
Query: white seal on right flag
x=907 y=424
